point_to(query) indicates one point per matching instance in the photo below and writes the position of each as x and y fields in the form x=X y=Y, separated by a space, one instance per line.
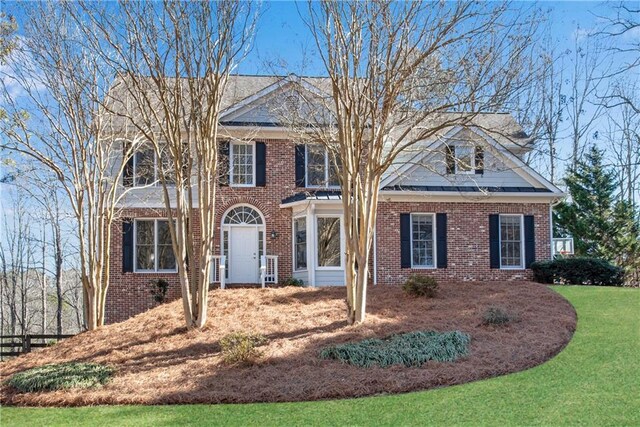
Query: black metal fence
x=20 y=344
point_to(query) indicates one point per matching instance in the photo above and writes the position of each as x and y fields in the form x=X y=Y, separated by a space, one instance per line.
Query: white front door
x=244 y=266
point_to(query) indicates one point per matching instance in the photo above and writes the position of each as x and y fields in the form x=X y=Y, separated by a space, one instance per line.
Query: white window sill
x=423 y=267
x=155 y=271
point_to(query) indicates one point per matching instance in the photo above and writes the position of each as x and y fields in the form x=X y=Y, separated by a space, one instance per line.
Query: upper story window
x=511 y=238
x=153 y=249
x=147 y=169
x=242 y=164
x=320 y=170
x=465 y=159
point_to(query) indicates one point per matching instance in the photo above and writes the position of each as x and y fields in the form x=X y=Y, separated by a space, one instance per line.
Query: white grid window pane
x=329 y=242
x=465 y=155
x=144 y=166
x=316 y=166
x=243 y=215
x=300 y=235
x=242 y=164
x=422 y=240
x=145 y=256
x=166 y=257
x=510 y=241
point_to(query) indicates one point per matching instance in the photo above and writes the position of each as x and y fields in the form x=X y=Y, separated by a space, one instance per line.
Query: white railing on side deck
x=218 y=270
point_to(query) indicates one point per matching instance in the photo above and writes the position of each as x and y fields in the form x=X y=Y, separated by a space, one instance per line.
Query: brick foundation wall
x=467 y=240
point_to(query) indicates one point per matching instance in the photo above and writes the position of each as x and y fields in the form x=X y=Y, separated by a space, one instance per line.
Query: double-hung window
x=300 y=243
x=511 y=238
x=320 y=169
x=329 y=245
x=422 y=240
x=147 y=170
x=153 y=250
x=242 y=163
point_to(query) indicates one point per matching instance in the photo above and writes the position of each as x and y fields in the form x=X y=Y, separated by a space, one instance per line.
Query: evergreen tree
x=600 y=225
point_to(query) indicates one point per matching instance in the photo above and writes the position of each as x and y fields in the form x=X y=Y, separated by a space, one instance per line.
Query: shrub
x=418 y=285
x=292 y=281
x=240 y=347
x=578 y=271
x=159 y=290
x=410 y=349
x=62 y=376
x=496 y=316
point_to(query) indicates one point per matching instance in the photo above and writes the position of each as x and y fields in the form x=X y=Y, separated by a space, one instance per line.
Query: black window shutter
x=261 y=164
x=300 y=180
x=405 y=240
x=127 y=173
x=223 y=164
x=494 y=241
x=441 y=239
x=451 y=160
x=127 y=245
x=529 y=241
x=479 y=160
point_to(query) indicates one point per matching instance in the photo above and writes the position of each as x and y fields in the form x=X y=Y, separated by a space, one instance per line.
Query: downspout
x=375 y=255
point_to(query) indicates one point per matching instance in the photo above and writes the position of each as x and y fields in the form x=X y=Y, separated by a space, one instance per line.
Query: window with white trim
x=300 y=243
x=329 y=253
x=153 y=246
x=320 y=171
x=511 y=238
x=242 y=164
x=147 y=170
x=423 y=240
x=465 y=159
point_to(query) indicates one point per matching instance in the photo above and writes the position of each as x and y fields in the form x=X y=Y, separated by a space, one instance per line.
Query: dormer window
x=464 y=159
x=320 y=171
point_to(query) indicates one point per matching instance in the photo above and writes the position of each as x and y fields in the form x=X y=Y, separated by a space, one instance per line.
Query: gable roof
x=425 y=149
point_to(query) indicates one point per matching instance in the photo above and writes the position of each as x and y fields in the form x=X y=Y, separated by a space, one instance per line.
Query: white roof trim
x=249 y=101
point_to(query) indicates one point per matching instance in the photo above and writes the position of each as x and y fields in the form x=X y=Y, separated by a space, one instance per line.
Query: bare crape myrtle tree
x=400 y=73
x=171 y=63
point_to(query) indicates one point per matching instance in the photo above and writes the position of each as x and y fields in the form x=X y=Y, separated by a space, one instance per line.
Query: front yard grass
x=594 y=381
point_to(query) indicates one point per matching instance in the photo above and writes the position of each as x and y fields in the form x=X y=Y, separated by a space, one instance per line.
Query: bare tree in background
x=589 y=64
x=172 y=62
x=62 y=85
x=401 y=73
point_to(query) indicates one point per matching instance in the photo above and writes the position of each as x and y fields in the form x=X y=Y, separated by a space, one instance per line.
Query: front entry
x=243 y=243
x=244 y=264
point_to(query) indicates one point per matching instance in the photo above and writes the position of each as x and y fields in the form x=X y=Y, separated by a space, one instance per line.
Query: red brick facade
x=468 y=240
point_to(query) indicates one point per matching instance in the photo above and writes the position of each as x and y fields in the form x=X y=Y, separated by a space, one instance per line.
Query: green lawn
x=594 y=381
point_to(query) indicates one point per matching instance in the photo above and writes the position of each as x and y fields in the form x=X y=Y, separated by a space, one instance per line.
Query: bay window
x=329 y=248
x=300 y=243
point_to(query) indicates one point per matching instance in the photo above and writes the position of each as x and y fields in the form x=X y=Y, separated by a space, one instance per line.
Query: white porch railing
x=268 y=269
x=218 y=270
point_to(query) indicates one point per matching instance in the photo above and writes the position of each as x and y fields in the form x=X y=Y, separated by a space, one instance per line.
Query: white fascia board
x=468 y=197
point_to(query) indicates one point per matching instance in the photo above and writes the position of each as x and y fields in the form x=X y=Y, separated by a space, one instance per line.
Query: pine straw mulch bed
x=159 y=362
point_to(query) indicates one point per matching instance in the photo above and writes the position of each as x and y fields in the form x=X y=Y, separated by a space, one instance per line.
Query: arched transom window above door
x=243 y=215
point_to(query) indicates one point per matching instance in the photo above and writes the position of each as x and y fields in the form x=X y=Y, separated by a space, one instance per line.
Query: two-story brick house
x=463 y=206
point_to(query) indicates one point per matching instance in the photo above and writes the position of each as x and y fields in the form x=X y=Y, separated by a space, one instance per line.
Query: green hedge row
x=578 y=271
